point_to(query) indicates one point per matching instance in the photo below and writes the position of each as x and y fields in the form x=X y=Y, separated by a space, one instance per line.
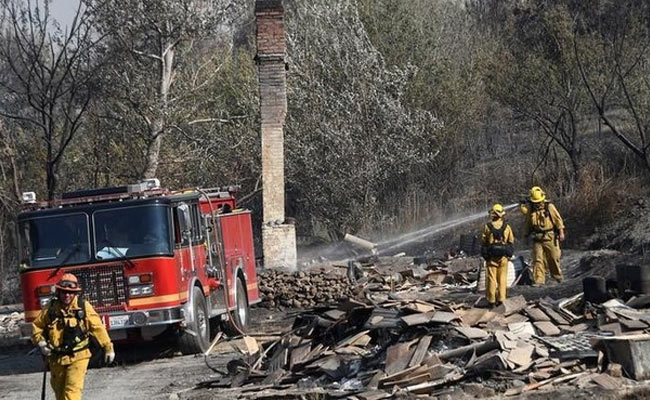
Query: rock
x=615 y=370
x=456 y=394
x=478 y=391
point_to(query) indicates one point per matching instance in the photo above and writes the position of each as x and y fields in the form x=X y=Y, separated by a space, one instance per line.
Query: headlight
x=142 y=278
x=141 y=291
x=147 y=290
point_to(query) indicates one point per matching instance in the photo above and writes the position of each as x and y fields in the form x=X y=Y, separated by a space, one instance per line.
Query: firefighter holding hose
x=546 y=227
x=497 y=242
x=62 y=331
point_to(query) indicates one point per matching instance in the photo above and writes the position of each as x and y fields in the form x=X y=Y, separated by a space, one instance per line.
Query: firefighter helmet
x=497 y=211
x=68 y=283
x=537 y=195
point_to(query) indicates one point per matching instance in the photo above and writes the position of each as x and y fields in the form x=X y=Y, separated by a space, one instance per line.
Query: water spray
x=392 y=244
x=407 y=238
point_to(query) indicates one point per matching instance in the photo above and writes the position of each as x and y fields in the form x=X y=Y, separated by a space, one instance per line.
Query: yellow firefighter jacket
x=504 y=238
x=543 y=221
x=52 y=330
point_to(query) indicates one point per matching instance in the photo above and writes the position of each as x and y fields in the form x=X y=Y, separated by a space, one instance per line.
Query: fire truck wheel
x=242 y=316
x=200 y=325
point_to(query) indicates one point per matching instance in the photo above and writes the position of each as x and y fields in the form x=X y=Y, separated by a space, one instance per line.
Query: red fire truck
x=150 y=260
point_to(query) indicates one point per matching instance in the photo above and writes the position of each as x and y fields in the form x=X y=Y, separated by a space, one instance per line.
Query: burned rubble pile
x=394 y=336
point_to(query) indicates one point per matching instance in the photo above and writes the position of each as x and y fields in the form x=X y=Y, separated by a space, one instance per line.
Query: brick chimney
x=278 y=237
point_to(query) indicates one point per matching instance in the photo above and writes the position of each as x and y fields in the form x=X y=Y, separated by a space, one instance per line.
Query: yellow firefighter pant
x=546 y=257
x=68 y=380
x=497 y=279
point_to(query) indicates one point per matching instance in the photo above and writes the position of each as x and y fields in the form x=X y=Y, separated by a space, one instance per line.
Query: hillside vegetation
x=400 y=112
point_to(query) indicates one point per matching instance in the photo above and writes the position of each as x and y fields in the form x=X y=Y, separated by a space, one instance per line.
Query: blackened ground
x=576 y=266
x=629 y=230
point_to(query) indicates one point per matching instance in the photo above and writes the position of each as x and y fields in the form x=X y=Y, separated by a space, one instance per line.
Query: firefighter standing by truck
x=62 y=331
x=546 y=227
x=497 y=242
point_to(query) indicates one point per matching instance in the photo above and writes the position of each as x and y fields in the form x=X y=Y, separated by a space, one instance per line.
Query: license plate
x=117 y=321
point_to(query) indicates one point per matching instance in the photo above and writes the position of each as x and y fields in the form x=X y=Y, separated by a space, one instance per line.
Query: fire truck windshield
x=132 y=232
x=54 y=240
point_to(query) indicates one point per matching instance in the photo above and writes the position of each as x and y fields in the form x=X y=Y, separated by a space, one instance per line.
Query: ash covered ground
x=318 y=290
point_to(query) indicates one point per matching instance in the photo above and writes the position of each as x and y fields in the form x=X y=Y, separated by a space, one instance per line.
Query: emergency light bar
x=29 y=197
x=144 y=185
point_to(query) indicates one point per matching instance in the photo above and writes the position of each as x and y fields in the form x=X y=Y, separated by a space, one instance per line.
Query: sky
x=63 y=10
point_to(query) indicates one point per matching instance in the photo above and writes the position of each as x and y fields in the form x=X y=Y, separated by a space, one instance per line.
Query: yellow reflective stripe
x=81 y=345
x=251 y=286
x=156 y=299
x=137 y=301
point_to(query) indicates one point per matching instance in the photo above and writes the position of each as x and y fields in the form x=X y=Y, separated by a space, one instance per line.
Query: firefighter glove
x=45 y=348
x=109 y=357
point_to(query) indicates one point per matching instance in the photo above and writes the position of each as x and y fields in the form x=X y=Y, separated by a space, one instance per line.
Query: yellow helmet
x=497 y=211
x=68 y=283
x=537 y=195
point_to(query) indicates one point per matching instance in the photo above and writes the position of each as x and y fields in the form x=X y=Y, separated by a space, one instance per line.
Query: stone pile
x=327 y=283
x=302 y=289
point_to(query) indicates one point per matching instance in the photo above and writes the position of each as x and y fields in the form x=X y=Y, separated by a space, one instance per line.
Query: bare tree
x=535 y=73
x=152 y=41
x=10 y=194
x=47 y=75
x=614 y=62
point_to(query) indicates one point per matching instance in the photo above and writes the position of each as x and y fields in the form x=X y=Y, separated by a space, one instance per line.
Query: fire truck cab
x=150 y=260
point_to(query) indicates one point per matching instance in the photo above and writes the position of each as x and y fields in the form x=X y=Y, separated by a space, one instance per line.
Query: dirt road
x=148 y=373
x=155 y=379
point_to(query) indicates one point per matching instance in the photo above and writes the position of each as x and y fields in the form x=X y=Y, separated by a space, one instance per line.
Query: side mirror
x=21 y=239
x=207 y=222
x=184 y=219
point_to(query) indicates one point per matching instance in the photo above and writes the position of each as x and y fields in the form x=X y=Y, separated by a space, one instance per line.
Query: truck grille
x=104 y=287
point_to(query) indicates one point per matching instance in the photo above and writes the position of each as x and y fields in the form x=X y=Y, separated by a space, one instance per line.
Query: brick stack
x=279 y=238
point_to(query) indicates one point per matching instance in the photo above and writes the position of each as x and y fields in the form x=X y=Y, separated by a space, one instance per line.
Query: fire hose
x=226 y=291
